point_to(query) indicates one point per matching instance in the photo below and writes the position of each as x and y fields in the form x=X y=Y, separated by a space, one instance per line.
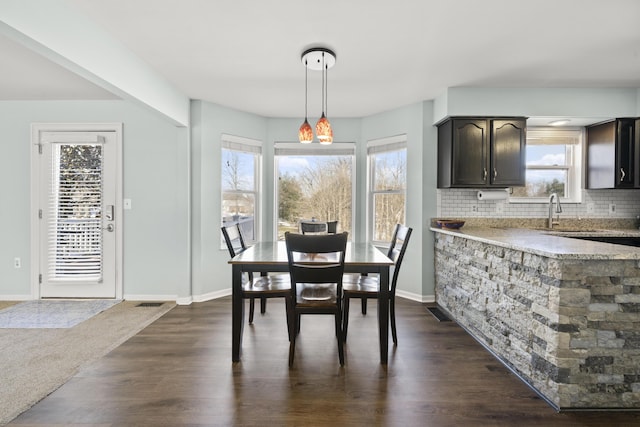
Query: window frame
x=245 y=146
x=298 y=149
x=377 y=146
x=574 y=161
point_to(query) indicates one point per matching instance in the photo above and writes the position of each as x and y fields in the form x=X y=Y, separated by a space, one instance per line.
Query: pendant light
x=305 y=134
x=323 y=127
x=318 y=59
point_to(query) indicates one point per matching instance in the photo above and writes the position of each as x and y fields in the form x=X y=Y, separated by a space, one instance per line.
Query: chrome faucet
x=558 y=209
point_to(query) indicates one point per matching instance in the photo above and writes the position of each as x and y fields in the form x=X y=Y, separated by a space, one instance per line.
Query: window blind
x=75 y=206
x=393 y=143
x=239 y=143
x=297 y=149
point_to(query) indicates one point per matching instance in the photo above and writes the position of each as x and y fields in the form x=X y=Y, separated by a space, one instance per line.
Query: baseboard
x=132 y=297
x=212 y=295
x=16 y=297
x=415 y=297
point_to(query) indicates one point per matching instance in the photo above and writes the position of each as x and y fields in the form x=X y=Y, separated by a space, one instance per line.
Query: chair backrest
x=332 y=227
x=307 y=227
x=316 y=258
x=397 y=249
x=234 y=240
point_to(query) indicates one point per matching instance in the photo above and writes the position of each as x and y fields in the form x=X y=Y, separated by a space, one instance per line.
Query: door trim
x=36 y=130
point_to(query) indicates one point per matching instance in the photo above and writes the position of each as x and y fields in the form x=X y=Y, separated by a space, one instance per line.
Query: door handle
x=108 y=214
x=622 y=174
x=109 y=228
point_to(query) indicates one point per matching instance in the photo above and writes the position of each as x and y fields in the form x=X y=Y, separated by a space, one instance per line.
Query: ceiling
x=245 y=54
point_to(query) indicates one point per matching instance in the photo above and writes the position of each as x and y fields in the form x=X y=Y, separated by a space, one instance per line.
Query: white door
x=77 y=214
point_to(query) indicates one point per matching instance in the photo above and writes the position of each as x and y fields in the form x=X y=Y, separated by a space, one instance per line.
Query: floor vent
x=150 y=304
x=438 y=314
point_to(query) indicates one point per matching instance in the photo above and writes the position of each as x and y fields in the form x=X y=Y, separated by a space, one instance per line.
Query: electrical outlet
x=590 y=208
x=126 y=204
x=499 y=207
x=612 y=208
x=474 y=208
x=17 y=263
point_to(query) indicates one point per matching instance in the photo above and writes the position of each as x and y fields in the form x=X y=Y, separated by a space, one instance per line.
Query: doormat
x=438 y=314
x=52 y=313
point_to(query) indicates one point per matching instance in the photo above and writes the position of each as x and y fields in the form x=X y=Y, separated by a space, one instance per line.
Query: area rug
x=36 y=361
x=52 y=313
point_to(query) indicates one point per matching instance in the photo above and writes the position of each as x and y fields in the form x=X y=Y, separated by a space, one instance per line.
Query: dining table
x=263 y=257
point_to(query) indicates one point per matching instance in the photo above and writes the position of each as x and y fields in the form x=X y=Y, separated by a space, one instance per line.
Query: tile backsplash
x=464 y=203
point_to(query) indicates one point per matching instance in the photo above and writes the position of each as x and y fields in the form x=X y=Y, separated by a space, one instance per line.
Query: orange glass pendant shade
x=324 y=131
x=305 y=134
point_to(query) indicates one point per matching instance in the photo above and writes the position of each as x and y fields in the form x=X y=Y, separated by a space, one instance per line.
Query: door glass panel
x=75 y=203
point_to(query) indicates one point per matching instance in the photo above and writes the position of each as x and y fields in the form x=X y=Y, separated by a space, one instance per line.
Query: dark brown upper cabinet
x=481 y=152
x=613 y=154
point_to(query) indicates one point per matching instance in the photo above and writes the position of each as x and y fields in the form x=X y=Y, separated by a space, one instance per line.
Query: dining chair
x=313 y=227
x=366 y=287
x=263 y=287
x=316 y=267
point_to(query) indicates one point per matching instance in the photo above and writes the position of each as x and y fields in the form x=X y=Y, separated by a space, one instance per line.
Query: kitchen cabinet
x=481 y=152
x=613 y=154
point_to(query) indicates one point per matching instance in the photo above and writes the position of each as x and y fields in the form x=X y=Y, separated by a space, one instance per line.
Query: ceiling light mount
x=312 y=58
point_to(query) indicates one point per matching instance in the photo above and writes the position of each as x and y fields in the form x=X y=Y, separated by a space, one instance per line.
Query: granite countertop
x=552 y=243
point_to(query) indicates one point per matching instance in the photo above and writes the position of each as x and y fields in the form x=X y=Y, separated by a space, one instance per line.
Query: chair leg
x=340 y=337
x=263 y=305
x=251 y=309
x=392 y=314
x=292 y=351
x=364 y=305
x=345 y=317
x=289 y=315
x=295 y=325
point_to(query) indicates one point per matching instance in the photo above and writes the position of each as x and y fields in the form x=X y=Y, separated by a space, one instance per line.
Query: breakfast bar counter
x=561 y=312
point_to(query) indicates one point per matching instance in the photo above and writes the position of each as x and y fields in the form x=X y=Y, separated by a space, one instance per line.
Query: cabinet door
x=470 y=144
x=625 y=153
x=508 y=139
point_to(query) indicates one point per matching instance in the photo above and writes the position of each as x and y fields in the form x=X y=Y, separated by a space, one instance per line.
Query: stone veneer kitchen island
x=561 y=313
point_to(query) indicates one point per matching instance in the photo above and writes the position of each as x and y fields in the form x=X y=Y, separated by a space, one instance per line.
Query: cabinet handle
x=495 y=173
x=622 y=174
x=484 y=174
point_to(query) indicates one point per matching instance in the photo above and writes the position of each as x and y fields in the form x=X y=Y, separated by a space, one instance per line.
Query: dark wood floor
x=178 y=372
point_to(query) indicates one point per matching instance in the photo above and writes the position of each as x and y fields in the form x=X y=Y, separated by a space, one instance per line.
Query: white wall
x=416 y=276
x=549 y=102
x=530 y=102
x=211 y=273
x=155 y=179
x=163 y=259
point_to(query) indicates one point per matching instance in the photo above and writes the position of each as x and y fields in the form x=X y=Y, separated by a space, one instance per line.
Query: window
x=241 y=159
x=314 y=182
x=553 y=162
x=387 y=184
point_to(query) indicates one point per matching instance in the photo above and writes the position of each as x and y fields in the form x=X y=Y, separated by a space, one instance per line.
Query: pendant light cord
x=323 y=84
x=306 y=70
x=326 y=90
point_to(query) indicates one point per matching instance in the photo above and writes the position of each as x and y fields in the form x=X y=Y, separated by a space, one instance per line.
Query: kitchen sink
x=627 y=241
x=570 y=230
